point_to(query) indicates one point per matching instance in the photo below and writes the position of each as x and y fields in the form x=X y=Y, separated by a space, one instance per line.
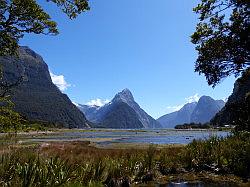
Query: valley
x=117 y=100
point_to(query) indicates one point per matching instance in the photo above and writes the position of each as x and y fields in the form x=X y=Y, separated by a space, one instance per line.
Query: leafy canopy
x=9 y=119
x=18 y=17
x=222 y=38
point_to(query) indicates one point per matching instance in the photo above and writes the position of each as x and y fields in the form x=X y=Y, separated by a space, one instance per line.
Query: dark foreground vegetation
x=193 y=126
x=216 y=160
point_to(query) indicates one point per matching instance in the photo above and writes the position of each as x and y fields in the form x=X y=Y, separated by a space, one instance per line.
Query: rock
x=37 y=98
x=121 y=112
x=237 y=109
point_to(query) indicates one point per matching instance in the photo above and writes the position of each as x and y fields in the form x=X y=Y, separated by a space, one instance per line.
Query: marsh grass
x=224 y=155
x=79 y=164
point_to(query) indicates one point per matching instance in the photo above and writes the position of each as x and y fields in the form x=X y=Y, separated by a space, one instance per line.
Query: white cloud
x=98 y=102
x=59 y=81
x=190 y=99
x=193 y=98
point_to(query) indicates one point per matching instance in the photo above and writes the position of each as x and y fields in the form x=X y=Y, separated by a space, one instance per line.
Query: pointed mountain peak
x=205 y=98
x=124 y=96
x=126 y=91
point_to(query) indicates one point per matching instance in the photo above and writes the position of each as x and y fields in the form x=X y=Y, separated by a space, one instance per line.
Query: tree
x=222 y=38
x=9 y=119
x=18 y=17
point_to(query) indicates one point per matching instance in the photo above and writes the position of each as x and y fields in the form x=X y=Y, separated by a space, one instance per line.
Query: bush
x=231 y=154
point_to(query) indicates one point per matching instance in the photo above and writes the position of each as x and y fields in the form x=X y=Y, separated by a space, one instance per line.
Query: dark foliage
x=18 y=17
x=222 y=38
x=193 y=126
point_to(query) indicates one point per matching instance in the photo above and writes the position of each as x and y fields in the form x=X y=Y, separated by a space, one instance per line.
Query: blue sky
x=142 y=45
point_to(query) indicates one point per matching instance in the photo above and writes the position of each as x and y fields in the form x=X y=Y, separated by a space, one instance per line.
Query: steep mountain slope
x=37 y=98
x=200 y=112
x=127 y=97
x=122 y=116
x=184 y=114
x=100 y=114
x=236 y=111
x=178 y=117
x=90 y=111
x=205 y=109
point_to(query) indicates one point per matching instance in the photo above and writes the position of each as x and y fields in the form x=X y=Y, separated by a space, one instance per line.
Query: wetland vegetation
x=95 y=158
x=216 y=160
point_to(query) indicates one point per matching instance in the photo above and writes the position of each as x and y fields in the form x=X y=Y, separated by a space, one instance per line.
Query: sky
x=142 y=45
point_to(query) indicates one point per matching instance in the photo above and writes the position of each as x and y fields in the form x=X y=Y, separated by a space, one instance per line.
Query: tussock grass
x=79 y=164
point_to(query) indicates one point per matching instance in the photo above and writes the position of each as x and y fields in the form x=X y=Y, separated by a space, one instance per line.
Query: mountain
x=178 y=117
x=119 y=113
x=236 y=111
x=36 y=97
x=200 y=112
x=122 y=116
x=206 y=109
x=90 y=111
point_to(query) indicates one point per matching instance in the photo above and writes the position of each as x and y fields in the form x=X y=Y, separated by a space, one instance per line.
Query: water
x=139 y=136
x=191 y=184
x=187 y=184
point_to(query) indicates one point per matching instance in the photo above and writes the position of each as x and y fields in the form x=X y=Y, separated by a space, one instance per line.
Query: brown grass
x=78 y=151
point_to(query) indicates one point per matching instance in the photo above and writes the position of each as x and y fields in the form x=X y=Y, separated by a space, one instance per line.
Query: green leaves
x=72 y=7
x=9 y=120
x=222 y=39
x=18 y=17
x=229 y=154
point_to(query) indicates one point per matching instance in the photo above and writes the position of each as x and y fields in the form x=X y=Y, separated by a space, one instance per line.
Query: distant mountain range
x=37 y=98
x=121 y=112
x=198 y=112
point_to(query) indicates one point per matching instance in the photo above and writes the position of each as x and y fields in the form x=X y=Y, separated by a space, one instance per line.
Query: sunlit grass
x=79 y=164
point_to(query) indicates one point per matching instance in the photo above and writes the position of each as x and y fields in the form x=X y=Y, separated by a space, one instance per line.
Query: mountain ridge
x=198 y=112
x=99 y=114
x=36 y=97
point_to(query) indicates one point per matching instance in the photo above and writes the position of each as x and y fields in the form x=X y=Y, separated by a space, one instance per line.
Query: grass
x=224 y=155
x=79 y=164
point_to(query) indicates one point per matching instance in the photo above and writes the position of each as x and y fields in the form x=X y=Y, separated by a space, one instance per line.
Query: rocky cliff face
x=119 y=113
x=127 y=97
x=37 y=98
x=237 y=109
x=122 y=116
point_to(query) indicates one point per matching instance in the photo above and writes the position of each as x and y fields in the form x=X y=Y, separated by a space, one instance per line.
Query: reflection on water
x=153 y=136
x=182 y=184
x=186 y=184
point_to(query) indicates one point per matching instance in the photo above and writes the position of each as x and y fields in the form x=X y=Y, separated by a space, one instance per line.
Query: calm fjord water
x=144 y=136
